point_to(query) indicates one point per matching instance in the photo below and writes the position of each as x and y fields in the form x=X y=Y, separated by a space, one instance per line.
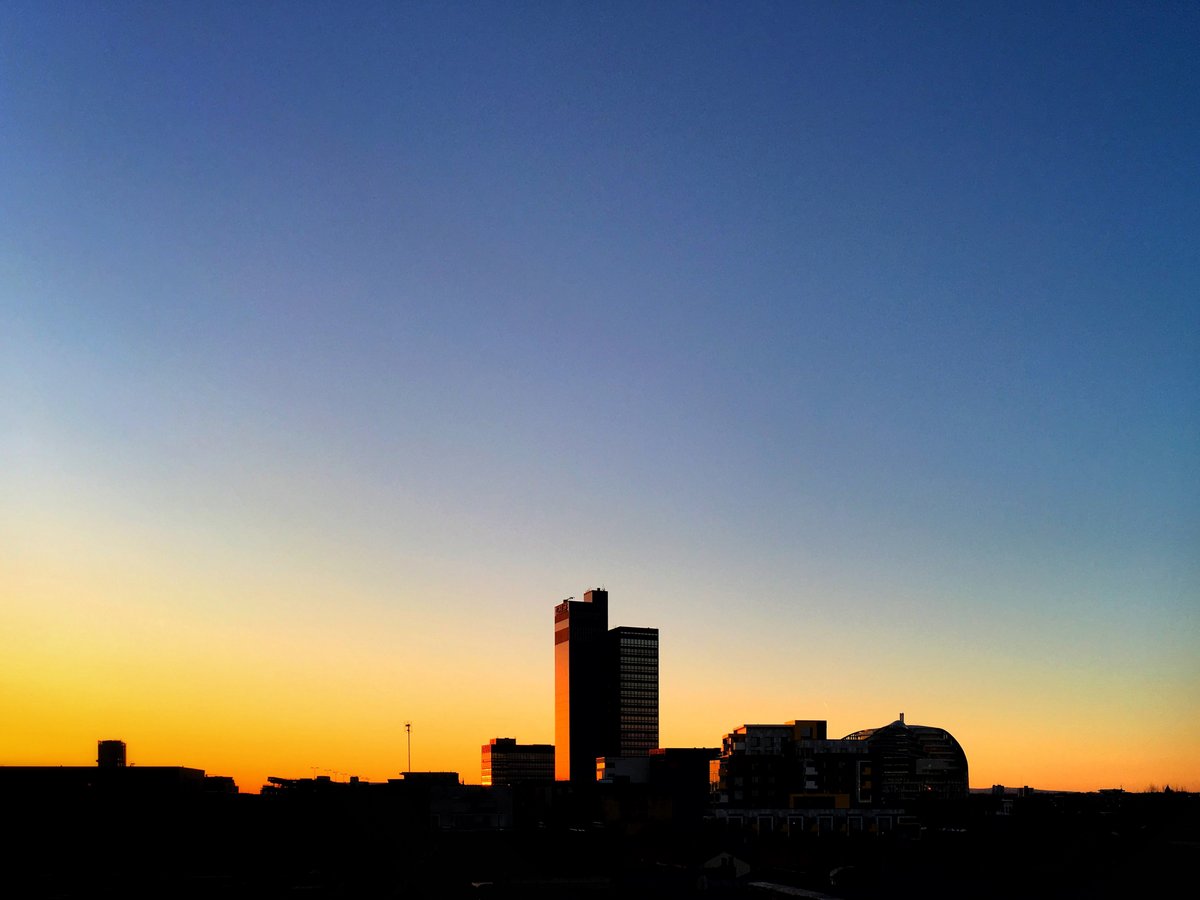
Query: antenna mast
x=408 y=735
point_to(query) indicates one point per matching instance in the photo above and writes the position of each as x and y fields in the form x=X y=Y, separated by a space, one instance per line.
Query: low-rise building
x=505 y=762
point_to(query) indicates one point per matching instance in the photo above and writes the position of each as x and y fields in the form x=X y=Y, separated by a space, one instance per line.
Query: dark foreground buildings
x=793 y=777
x=605 y=688
x=878 y=813
x=111 y=778
x=778 y=809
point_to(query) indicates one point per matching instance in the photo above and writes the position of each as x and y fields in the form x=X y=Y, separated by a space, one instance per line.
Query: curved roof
x=917 y=760
x=900 y=732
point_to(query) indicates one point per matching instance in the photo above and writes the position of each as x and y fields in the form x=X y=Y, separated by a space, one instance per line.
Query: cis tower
x=605 y=688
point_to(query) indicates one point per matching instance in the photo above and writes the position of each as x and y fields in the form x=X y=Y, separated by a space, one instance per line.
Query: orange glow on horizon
x=290 y=689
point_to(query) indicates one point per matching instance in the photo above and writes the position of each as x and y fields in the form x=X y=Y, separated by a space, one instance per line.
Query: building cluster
x=604 y=812
x=793 y=776
x=606 y=763
x=789 y=776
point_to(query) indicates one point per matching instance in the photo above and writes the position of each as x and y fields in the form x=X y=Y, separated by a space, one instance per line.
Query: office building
x=634 y=692
x=505 y=762
x=605 y=688
x=581 y=668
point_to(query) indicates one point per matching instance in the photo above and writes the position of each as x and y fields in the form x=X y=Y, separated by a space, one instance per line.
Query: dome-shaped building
x=914 y=763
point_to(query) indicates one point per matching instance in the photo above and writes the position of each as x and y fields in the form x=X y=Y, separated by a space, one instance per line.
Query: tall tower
x=581 y=686
x=605 y=688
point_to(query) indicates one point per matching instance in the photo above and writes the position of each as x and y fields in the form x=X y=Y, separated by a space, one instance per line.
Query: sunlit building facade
x=505 y=762
x=581 y=693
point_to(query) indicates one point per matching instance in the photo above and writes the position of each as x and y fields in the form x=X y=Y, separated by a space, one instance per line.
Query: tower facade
x=605 y=688
x=580 y=685
x=634 y=691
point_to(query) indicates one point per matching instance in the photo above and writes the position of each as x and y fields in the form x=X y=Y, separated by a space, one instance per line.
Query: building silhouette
x=793 y=776
x=605 y=688
x=110 y=754
x=111 y=779
x=914 y=762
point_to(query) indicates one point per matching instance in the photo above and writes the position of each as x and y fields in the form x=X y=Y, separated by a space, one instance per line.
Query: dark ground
x=243 y=846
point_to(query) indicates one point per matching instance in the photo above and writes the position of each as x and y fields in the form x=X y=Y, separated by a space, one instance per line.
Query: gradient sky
x=855 y=346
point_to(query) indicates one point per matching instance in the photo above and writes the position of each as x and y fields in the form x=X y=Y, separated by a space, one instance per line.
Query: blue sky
x=850 y=327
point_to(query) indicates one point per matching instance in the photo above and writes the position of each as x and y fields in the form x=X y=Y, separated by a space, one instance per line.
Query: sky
x=855 y=346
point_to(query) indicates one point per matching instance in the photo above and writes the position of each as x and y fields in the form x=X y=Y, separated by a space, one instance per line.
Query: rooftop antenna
x=408 y=734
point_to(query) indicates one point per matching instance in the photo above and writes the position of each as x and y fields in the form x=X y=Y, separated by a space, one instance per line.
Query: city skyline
x=854 y=346
x=112 y=752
